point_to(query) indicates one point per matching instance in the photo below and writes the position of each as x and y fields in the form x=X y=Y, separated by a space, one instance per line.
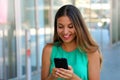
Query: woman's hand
x=54 y=71
x=63 y=73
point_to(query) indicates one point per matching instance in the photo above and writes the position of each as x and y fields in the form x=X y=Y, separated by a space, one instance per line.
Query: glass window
x=97 y=16
x=58 y=3
x=28 y=23
x=47 y=21
x=43 y=25
x=8 y=59
x=61 y=2
x=1 y=54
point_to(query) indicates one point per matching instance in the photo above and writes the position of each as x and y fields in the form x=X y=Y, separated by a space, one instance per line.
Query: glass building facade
x=18 y=17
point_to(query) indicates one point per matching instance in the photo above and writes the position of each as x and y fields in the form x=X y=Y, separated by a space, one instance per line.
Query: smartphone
x=61 y=63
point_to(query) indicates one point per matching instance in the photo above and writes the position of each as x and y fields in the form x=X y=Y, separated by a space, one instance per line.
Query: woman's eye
x=70 y=26
x=59 y=26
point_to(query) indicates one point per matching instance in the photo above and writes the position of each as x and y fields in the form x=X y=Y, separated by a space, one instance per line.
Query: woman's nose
x=65 y=30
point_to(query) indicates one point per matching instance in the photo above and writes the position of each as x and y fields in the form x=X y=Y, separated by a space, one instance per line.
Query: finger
x=54 y=70
x=64 y=73
x=70 y=68
x=61 y=75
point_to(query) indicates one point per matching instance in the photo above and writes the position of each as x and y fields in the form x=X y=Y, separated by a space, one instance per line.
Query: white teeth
x=66 y=36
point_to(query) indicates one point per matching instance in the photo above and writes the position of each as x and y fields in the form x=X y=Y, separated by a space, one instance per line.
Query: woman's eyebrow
x=62 y=24
x=59 y=24
x=71 y=24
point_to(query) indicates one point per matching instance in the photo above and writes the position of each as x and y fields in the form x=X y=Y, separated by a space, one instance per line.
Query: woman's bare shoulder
x=94 y=53
x=48 y=46
x=94 y=60
x=47 y=49
x=93 y=56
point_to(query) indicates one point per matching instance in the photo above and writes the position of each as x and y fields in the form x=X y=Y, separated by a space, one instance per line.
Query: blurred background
x=27 y=25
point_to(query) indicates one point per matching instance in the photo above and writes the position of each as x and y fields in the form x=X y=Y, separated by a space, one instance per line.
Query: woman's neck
x=69 y=46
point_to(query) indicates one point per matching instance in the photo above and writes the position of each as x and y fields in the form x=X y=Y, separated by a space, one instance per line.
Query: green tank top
x=76 y=58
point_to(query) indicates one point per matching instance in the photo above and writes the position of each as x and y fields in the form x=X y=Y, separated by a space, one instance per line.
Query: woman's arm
x=46 y=63
x=94 y=66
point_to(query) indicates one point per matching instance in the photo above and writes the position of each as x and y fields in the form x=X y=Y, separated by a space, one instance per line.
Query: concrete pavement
x=111 y=55
x=111 y=63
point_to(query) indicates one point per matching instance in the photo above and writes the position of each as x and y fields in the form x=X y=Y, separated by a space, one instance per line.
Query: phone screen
x=61 y=63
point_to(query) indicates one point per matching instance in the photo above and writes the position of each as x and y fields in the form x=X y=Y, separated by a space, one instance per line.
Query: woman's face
x=65 y=29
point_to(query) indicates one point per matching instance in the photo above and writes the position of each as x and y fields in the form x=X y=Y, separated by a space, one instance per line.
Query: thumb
x=70 y=67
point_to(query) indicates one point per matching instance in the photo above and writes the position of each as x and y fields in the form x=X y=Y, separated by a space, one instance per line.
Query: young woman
x=72 y=41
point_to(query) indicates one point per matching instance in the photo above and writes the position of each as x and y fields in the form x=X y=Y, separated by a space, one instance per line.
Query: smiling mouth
x=66 y=36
